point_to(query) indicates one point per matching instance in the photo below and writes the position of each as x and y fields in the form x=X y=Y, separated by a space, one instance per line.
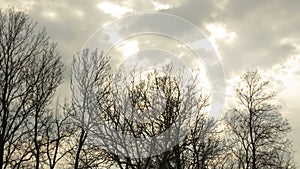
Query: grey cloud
x=259 y=25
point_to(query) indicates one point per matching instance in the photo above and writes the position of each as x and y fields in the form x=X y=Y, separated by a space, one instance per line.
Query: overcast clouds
x=246 y=34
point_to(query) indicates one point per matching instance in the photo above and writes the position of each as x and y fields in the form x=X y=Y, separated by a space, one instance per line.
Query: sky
x=245 y=34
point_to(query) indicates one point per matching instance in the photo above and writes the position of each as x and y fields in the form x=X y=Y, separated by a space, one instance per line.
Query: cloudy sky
x=245 y=34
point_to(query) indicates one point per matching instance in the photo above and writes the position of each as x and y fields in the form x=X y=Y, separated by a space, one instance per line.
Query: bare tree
x=106 y=104
x=138 y=106
x=257 y=129
x=143 y=106
x=90 y=75
x=205 y=146
x=58 y=132
x=49 y=72
x=30 y=70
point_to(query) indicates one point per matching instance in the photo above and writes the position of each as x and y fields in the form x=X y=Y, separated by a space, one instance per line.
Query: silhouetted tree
x=90 y=77
x=57 y=134
x=257 y=130
x=30 y=71
x=112 y=106
x=146 y=105
x=109 y=107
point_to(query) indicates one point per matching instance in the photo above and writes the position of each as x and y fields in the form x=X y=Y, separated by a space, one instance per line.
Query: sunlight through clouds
x=128 y=48
x=113 y=9
x=287 y=72
x=219 y=31
x=50 y=14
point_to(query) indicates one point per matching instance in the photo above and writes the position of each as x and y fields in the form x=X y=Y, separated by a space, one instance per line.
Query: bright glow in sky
x=160 y=6
x=219 y=31
x=114 y=10
x=128 y=48
x=50 y=14
x=245 y=34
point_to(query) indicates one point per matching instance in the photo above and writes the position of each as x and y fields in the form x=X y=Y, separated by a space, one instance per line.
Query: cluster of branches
x=30 y=70
x=109 y=108
x=251 y=135
x=140 y=106
x=257 y=129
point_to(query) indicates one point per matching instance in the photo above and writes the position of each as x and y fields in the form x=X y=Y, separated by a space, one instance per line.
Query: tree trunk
x=80 y=145
x=36 y=142
x=1 y=150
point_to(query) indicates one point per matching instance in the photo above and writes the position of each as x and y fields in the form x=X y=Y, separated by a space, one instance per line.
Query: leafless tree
x=257 y=130
x=58 y=132
x=90 y=75
x=30 y=70
x=138 y=106
x=142 y=105
x=146 y=105
x=205 y=147
x=108 y=107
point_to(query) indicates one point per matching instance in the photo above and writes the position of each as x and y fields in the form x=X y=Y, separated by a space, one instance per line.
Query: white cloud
x=160 y=6
x=128 y=48
x=219 y=31
x=290 y=41
x=230 y=37
x=241 y=37
x=113 y=9
x=287 y=73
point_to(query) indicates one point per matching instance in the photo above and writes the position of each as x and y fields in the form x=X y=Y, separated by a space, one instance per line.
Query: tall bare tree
x=257 y=128
x=90 y=75
x=30 y=70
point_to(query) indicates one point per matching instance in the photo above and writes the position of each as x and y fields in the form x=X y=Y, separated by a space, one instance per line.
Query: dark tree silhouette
x=108 y=106
x=30 y=70
x=57 y=134
x=90 y=76
x=257 y=130
x=143 y=106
